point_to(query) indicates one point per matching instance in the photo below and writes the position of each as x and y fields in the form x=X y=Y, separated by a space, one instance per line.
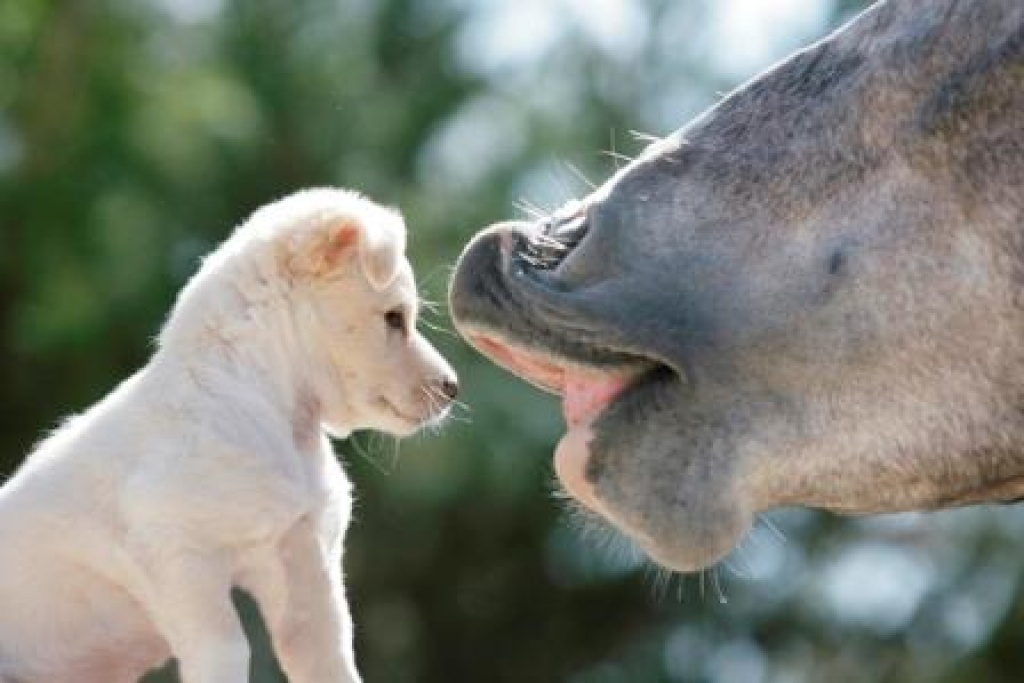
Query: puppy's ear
x=377 y=234
x=381 y=252
x=320 y=254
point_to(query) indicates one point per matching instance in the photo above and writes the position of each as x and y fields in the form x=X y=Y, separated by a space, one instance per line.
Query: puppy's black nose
x=450 y=387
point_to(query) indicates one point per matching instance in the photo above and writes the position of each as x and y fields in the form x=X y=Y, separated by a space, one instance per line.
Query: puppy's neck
x=244 y=332
x=306 y=423
x=270 y=368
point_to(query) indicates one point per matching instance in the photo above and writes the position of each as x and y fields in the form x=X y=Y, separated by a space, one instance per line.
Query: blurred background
x=134 y=134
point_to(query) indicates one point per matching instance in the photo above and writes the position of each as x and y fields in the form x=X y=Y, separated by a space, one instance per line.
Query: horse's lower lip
x=572 y=455
x=586 y=395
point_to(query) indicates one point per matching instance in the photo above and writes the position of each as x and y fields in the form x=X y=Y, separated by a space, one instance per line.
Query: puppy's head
x=354 y=306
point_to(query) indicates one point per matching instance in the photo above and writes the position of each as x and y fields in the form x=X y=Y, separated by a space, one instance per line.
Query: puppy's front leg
x=303 y=601
x=190 y=602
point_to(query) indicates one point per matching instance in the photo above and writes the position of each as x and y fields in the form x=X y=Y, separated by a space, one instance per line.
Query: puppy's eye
x=395 y=319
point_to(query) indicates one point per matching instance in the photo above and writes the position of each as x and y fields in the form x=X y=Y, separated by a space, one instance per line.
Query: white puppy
x=123 y=533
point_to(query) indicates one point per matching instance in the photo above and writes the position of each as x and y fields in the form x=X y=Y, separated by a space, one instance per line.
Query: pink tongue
x=584 y=396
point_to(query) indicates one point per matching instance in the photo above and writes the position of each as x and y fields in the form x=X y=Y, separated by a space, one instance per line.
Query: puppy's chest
x=273 y=499
x=325 y=491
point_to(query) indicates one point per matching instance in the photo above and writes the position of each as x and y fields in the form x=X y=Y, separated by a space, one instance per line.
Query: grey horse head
x=811 y=295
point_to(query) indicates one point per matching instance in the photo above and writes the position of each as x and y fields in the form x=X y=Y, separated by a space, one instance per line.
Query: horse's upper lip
x=545 y=373
x=513 y=279
x=525 y=316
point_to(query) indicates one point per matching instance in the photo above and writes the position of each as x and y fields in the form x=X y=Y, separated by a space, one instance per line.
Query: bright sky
x=752 y=33
x=502 y=34
x=747 y=34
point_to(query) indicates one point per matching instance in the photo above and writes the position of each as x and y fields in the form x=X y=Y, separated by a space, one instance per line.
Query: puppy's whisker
x=433 y=313
x=454 y=402
x=434 y=404
x=465 y=417
x=397 y=444
x=377 y=440
x=354 y=442
x=442 y=406
x=431 y=394
x=395 y=449
x=460 y=405
x=440 y=310
x=430 y=305
x=434 y=327
x=429 y=277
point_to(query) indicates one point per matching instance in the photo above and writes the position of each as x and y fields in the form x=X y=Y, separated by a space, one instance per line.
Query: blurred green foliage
x=134 y=135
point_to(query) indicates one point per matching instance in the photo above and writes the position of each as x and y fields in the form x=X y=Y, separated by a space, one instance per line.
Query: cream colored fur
x=124 y=532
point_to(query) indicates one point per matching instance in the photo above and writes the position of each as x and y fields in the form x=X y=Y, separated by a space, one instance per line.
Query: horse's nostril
x=450 y=387
x=550 y=242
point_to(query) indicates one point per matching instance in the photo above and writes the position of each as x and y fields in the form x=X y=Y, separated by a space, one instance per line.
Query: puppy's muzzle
x=448 y=387
x=442 y=392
